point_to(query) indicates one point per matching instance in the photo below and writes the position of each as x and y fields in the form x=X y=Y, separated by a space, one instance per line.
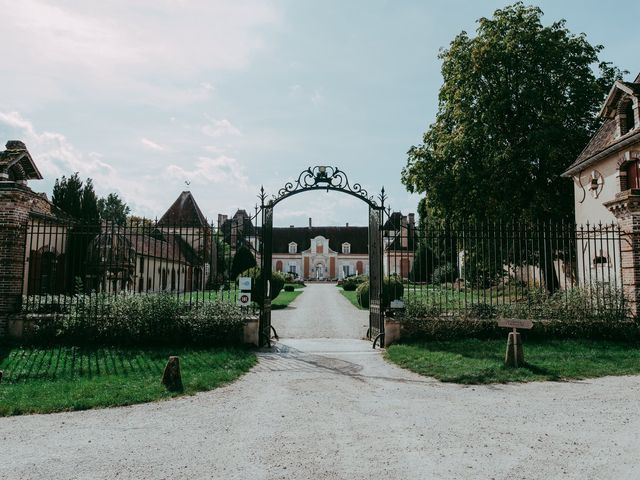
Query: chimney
x=404 y=232
x=412 y=220
x=347 y=224
x=310 y=222
x=290 y=226
x=221 y=219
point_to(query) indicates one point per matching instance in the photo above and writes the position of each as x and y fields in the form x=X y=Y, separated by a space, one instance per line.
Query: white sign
x=245 y=283
x=397 y=304
x=244 y=299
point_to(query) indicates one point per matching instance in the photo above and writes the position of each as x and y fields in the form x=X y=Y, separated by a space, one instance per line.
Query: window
x=626 y=116
x=346 y=271
x=293 y=269
x=293 y=247
x=319 y=248
x=633 y=175
x=141 y=264
x=346 y=247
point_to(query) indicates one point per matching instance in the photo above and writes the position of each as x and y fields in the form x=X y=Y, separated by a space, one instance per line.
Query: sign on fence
x=245 y=283
x=244 y=299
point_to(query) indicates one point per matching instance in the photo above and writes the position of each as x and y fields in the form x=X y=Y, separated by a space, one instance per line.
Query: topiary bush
x=289 y=288
x=392 y=289
x=362 y=294
x=350 y=284
x=445 y=273
x=277 y=284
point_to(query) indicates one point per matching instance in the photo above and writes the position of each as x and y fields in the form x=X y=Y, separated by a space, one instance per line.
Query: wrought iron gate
x=322 y=178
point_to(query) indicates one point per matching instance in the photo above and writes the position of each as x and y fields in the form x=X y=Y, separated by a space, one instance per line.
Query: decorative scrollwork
x=323 y=177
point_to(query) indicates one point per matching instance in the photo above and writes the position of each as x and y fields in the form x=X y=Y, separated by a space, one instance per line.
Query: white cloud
x=150 y=144
x=220 y=128
x=148 y=50
x=317 y=98
x=54 y=154
x=218 y=170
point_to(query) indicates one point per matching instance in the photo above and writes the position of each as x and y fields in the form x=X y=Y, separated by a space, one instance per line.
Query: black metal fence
x=515 y=269
x=69 y=263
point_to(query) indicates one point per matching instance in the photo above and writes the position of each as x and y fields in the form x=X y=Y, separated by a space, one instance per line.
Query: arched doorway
x=324 y=178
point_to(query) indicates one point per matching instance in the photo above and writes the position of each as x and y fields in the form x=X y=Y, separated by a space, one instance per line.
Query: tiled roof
x=358 y=237
x=183 y=213
x=604 y=141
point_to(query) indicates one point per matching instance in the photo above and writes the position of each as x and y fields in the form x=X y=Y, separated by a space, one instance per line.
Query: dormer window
x=293 y=247
x=633 y=174
x=626 y=116
x=346 y=247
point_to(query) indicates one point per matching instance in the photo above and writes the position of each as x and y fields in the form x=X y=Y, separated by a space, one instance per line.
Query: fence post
x=626 y=208
x=15 y=200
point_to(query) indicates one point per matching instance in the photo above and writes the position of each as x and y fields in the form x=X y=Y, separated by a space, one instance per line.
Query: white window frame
x=346 y=248
x=293 y=247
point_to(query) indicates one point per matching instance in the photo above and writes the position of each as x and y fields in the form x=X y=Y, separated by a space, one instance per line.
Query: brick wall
x=15 y=204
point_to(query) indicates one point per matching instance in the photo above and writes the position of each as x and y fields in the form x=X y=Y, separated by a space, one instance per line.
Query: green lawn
x=472 y=361
x=352 y=297
x=284 y=299
x=43 y=380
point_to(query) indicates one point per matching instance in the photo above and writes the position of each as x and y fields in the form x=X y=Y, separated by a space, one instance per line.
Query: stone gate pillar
x=16 y=202
x=626 y=208
x=14 y=215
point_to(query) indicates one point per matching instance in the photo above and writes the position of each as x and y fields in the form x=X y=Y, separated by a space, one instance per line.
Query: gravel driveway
x=325 y=408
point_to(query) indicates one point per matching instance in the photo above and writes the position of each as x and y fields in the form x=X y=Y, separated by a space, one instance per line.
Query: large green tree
x=518 y=104
x=113 y=209
x=76 y=198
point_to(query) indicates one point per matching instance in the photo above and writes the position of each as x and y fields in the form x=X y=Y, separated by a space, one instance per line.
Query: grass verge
x=472 y=361
x=54 y=379
x=284 y=299
x=352 y=296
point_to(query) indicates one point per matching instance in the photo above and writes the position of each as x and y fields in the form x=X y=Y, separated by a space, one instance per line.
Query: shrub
x=289 y=288
x=350 y=284
x=215 y=323
x=392 y=289
x=362 y=293
x=445 y=273
x=277 y=284
x=598 y=312
x=423 y=265
x=141 y=319
x=482 y=273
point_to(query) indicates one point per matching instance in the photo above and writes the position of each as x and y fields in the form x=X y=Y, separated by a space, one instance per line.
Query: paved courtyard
x=320 y=407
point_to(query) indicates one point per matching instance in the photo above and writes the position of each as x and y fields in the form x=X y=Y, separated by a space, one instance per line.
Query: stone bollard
x=515 y=353
x=171 y=377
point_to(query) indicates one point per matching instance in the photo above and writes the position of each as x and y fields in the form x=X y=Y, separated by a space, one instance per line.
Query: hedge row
x=126 y=319
x=577 y=313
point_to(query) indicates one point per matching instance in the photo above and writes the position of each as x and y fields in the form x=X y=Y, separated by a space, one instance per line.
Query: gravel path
x=321 y=312
x=334 y=409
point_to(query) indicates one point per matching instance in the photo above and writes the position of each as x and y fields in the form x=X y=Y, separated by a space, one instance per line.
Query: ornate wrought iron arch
x=324 y=177
x=327 y=178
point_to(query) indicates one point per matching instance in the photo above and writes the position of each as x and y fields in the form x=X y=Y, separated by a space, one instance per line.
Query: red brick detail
x=332 y=267
x=359 y=267
x=306 y=267
x=279 y=266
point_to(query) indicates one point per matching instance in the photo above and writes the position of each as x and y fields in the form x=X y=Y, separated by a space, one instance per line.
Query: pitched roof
x=17 y=159
x=605 y=142
x=358 y=237
x=183 y=213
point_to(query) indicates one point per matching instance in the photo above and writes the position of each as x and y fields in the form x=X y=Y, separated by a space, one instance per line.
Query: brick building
x=606 y=179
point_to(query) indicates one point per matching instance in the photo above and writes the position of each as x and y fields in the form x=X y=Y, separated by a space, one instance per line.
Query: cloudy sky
x=143 y=96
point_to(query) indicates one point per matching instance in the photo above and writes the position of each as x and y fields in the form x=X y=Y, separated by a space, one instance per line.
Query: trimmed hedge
x=350 y=284
x=595 y=313
x=392 y=289
x=126 y=319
